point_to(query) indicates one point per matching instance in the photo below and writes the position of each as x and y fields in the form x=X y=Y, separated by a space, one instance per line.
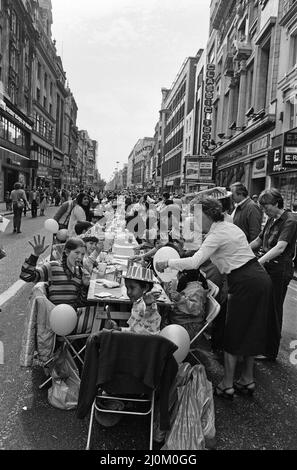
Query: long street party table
x=117 y=300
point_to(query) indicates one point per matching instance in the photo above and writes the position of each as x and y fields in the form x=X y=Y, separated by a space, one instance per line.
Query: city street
x=28 y=422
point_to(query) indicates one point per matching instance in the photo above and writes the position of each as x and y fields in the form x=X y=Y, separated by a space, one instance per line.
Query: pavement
x=29 y=422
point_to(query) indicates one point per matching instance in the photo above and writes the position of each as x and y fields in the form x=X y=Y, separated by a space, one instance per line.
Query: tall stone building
x=244 y=46
x=86 y=159
x=49 y=95
x=70 y=173
x=140 y=162
x=282 y=164
x=177 y=106
x=17 y=39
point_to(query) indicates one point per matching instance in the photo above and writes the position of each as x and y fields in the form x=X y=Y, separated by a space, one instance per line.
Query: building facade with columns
x=177 y=105
x=282 y=164
x=244 y=44
x=16 y=56
x=139 y=172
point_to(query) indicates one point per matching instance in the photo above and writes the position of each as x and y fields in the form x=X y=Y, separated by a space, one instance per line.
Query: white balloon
x=164 y=254
x=179 y=336
x=63 y=319
x=62 y=235
x=51 y=225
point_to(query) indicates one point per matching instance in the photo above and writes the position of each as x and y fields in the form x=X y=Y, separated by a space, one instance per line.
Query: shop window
x=264 y=78
x=27 y=76
x=292 y=115
x=250 y=80
x=13 y=22
x=3 y=127
x=293 y=50
x=26 y=104
x=39 y=70
x=12 y=92
x=11 y=133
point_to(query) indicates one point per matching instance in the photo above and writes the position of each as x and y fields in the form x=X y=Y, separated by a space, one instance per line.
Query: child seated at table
x=81 y=228
x=145 y=318
x=93 y=250
x=188 y=294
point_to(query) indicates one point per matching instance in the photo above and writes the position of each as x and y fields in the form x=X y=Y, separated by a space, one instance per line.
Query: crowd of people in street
x=246 y=247
x=251 y=261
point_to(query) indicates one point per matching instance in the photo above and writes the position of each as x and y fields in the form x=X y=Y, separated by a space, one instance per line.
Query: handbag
x=64 y=391
x=20 y=204
x=64 y=225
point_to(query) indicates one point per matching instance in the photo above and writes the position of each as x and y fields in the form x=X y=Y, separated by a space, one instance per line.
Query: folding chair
x=76 y=354
x=122 y=384
x=213 y=288
x=212 y=310
x=70 y=339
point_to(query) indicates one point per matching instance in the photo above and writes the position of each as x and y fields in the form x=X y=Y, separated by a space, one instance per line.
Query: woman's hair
x=191 y=275
x=79 y=201
x=271 y=196
x=17 y=186
x=71 y=245
x=80 y=227
x=226 y=204
x=212 y=208
x=169 y=202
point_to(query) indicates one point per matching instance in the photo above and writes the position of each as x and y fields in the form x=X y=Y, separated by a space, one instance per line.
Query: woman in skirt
x=248 y=288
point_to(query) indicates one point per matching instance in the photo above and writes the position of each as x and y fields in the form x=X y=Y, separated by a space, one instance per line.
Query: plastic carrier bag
x=64 y=391
x=193 y=418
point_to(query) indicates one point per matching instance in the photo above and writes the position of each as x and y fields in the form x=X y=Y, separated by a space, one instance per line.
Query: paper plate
x=164 y=254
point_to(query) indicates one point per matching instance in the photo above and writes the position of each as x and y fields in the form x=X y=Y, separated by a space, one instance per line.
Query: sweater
x=111 y=355
x=61 y=289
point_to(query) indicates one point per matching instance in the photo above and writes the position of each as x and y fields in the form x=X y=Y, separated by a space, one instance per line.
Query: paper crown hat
x=216 y=193
x=139 y=273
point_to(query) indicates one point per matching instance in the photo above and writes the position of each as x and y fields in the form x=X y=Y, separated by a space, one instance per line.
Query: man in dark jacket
x=247 y=215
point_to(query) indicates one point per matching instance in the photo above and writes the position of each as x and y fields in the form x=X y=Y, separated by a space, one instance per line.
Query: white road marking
x=13 y=290
x=1 y=353
x=293 y=288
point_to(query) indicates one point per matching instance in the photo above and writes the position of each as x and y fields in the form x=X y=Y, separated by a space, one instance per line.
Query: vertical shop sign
x=290 y=149
x=208 y=107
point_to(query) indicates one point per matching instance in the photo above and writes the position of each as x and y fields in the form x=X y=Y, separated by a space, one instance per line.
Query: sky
x=117 y=55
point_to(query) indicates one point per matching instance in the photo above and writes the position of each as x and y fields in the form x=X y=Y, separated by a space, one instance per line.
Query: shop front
x=43 y=177
x=15 y=168
x=15 y=135
x=246 y=164
x=282 y=166
x=232 y=167
x=259 y=156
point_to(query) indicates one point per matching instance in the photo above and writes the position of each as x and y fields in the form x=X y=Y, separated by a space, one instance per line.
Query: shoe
x=247 y=389
x=223 y=392
x=265 y=358
x=19 y=231
x=14 y=230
